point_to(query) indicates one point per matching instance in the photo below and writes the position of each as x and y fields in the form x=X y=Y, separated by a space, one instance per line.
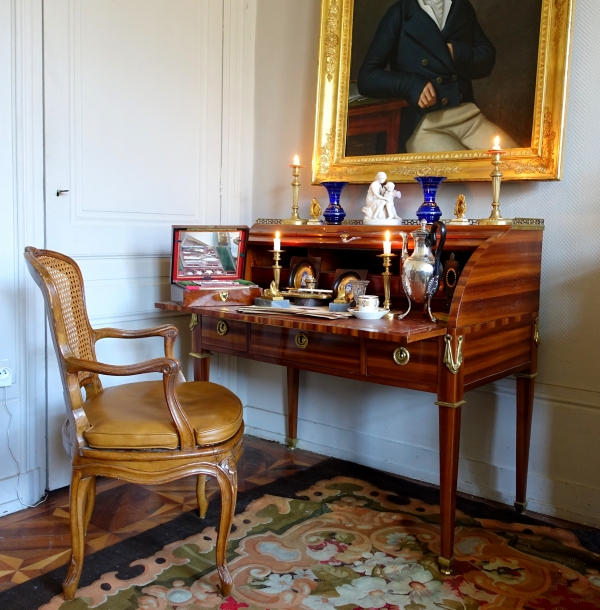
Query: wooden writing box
x=207 y=267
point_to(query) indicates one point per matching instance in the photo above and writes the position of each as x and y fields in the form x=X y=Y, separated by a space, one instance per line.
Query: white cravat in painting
x=437 y=9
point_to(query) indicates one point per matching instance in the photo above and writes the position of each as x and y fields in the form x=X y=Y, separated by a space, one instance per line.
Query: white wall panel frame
x=23 y=330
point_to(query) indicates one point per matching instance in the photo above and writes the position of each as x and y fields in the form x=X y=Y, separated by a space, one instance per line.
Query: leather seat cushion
x=136 y=415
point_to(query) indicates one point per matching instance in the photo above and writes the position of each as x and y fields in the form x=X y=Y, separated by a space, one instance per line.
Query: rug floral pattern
x=343 y=544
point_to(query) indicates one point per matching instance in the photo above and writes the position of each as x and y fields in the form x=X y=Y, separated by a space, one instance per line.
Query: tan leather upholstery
x=136 y=416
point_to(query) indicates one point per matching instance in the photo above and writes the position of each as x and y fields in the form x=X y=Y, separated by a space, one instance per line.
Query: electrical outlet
x=5 y=377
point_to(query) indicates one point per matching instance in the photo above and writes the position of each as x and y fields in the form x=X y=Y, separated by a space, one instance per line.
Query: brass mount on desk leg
x=520 y=507
x=446 y=565
x=387 y=283
x=291 y=443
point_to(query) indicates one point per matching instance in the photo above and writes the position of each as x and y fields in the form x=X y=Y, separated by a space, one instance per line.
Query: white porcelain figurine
x=379 y=208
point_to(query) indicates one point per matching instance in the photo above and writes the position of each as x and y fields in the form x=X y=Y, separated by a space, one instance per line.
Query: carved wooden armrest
x=166 y=366
x=169 y=367
x=168 y=331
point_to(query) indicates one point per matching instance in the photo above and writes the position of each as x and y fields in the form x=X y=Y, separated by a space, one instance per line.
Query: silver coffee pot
x=422 y=269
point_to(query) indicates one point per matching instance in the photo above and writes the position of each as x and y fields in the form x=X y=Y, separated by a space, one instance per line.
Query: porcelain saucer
x=369 y=315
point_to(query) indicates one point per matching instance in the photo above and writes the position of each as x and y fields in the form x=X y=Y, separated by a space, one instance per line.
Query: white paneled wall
x=22 y=421
x=123 y=280
x=397 y=430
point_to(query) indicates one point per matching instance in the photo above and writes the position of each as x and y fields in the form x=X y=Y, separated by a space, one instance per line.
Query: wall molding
x=552 y=394
x=29 y=392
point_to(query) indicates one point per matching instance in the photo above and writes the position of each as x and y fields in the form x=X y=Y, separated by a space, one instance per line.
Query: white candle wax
x=387 y=244
x=277 y=242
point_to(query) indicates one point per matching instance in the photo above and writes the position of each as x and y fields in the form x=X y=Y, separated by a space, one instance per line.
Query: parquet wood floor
x=37 y=540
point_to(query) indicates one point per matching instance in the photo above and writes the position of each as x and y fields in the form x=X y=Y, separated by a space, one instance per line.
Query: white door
x=133 y=98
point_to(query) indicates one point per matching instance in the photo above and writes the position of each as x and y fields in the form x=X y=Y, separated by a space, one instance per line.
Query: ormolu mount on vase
x=421 y=270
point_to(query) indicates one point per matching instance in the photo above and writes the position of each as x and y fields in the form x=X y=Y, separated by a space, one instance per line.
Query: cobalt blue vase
x=429 y=209
x=334 y=214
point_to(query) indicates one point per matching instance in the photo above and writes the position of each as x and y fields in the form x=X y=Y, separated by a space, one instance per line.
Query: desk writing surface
x=408 y=330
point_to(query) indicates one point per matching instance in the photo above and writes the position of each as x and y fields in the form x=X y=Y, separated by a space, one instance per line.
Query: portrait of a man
x=441 y=75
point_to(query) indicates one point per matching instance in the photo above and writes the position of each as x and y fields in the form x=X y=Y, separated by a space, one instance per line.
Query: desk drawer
x=230 y=334
x=421 y=368
x=304 y=347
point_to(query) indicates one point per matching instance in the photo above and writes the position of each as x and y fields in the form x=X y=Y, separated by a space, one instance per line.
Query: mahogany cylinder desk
x=490 y=329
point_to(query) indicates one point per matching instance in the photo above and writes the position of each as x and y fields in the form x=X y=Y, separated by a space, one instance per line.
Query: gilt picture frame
x=535 y=94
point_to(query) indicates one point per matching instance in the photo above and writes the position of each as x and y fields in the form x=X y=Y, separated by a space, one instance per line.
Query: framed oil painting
x=423 y=87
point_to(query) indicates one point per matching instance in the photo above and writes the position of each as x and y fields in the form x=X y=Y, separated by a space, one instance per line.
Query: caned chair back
x=61 y=283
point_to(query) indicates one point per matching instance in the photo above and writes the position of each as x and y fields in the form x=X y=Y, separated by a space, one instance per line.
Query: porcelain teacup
x=368 y=302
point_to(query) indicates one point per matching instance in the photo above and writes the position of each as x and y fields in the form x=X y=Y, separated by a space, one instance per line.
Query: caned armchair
x=144 y=432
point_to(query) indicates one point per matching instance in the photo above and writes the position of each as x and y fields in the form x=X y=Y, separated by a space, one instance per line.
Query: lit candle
x=387 y=244
x=277 y=242
x=296 y=160
x=497 y=143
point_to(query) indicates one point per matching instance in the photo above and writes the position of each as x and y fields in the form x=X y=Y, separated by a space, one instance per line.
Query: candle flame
x=277 y=235
x=387 y=236
x=296 y=160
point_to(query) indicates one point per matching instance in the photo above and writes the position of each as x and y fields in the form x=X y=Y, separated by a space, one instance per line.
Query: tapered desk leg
x=293 y=382
x=525 y=390
x=449 y=418
x=201 y=357
x=450 y=402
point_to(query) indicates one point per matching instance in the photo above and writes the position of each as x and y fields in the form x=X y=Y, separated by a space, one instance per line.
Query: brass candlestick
x=387 y=280
x=272 y=293
x=295 y=218
x=495 y=217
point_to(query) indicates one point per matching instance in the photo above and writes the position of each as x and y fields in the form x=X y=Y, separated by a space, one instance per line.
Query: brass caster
x=291 y=442
x=446 y=565
x=521 y=507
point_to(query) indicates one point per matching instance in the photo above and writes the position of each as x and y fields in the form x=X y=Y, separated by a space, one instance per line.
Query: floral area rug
x=364 y=541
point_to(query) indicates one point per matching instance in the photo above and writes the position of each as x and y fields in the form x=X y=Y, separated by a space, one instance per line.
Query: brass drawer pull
x=222 y=328
x=301 y=340
x=401 y=356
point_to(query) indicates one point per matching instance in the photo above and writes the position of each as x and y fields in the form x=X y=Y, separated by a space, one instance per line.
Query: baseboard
x=30 y=491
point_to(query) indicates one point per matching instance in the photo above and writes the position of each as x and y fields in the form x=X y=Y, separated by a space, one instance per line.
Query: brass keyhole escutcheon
x=401 y=356
x=301 y=340
x=223 y=295
x=222 y=328
x=451 y=278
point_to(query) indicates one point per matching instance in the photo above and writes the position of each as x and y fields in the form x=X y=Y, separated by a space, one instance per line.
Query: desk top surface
x=414 y=328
